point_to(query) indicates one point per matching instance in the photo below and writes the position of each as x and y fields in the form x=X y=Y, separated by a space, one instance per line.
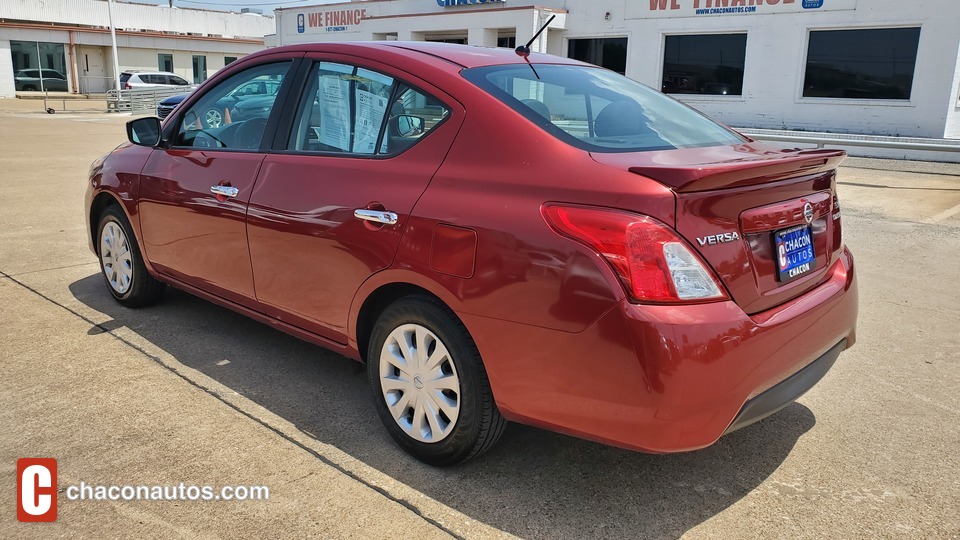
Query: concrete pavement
x=188 y=392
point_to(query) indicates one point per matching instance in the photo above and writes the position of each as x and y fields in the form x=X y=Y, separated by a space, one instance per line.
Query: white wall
x=135 y=51
x=775 y=59
x=381 y=19
x=7 y=87
x=147 y=60
x=138 y=17
x=952 y=130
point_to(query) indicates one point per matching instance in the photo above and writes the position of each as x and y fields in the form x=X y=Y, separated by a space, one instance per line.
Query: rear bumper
x=669 y=378
x=786 y=392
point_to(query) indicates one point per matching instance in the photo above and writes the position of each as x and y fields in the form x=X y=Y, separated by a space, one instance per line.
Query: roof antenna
x=523 y=51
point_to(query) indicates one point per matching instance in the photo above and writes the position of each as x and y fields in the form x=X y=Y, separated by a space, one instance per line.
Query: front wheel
x=122 y=264
x=429 y=384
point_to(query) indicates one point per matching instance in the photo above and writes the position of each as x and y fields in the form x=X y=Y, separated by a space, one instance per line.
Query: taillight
x=837 y=225
x=126 y=86
x=653 y=263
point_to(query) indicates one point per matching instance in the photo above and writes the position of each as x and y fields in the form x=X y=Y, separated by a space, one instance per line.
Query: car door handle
x=225 y=191
x=376 y=216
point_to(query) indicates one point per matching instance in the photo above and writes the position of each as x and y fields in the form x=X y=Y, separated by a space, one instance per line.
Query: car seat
x=623 y=118
x=538 y=107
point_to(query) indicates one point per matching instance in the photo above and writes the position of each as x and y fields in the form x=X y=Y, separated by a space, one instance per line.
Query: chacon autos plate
x=794 y=252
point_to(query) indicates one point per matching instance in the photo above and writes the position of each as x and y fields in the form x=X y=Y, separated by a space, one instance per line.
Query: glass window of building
x=861 y=64
x=710 y=64
x=610 y=53
x=30 y=57
x=199 y=69
x=165 y=62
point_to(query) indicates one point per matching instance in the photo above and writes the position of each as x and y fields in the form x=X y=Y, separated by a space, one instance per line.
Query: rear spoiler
x=756 y=169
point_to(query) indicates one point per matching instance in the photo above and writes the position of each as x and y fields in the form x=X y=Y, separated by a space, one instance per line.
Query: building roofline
x=359 y=3
x=31 y=25
x=178 y=8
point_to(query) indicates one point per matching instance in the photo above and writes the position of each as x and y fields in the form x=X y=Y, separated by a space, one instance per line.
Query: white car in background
x=151 y=79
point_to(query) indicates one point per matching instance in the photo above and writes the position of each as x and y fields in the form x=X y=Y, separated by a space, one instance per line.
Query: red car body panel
x=189 y=234
x=661 y=378
x=563 y=345
x=116 y=180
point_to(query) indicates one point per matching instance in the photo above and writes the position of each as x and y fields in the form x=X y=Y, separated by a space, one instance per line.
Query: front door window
x=226 y=117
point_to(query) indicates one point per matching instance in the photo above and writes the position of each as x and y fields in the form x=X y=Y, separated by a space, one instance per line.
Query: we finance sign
x=339 y=20
x=647 y=9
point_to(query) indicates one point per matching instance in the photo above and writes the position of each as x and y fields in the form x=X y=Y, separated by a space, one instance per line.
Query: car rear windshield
x=598 y=110
x=124 y=77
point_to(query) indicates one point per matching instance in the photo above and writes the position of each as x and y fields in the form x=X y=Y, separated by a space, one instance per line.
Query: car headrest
x=621 y=118
x=537 y=106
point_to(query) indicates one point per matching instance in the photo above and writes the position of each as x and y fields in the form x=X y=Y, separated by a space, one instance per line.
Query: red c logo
x=36 y=489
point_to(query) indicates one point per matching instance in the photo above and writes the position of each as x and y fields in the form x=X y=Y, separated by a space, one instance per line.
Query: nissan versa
x=497 y=237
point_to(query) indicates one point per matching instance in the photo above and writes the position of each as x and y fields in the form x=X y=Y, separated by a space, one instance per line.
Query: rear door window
x=352 y=110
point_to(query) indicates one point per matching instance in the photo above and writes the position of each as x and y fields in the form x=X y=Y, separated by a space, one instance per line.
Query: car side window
x=178 y=81
x=353 y=110
x=220 y=119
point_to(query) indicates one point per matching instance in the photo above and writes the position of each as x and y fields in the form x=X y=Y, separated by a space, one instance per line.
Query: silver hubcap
x=214 y=118
x=115 y=256
x=419 y=383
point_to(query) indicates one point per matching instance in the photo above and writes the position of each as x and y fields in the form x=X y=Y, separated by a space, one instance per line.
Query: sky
x=235 y=5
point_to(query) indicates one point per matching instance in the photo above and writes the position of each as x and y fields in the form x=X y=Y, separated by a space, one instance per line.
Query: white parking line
x=946 y=214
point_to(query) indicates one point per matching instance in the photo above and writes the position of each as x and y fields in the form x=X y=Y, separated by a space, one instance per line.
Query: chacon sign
x=652 y=9
x=452 y=3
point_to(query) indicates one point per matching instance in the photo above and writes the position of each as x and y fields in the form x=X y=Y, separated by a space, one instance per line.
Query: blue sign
x=301 y=23
x=812 y=4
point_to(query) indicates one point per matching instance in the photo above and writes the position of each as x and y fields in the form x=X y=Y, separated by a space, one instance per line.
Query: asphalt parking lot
x=188 y=392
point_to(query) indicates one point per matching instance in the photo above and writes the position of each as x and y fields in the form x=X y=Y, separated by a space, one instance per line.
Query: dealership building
x=876 y=67
x=70 y=41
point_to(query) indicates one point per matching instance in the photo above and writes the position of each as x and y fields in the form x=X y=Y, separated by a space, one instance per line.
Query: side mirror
x=408 y=126
x=144 y=131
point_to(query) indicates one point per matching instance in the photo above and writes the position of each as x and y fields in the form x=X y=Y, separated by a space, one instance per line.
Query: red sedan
x=497 y=238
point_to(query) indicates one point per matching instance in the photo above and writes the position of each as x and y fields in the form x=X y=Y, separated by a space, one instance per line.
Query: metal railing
x=867 y=141
x=140 y=100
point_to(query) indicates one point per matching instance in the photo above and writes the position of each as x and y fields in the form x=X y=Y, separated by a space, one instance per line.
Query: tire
x=121 y=263
x=423 y=397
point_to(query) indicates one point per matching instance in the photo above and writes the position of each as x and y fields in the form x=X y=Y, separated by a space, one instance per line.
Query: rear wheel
x=429 y=385
x=121 y=263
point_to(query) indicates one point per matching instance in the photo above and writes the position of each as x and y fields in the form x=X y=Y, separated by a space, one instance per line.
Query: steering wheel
x=202 y=141
x=250 y=133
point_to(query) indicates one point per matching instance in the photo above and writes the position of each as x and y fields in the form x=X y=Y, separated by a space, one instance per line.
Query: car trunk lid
x=745 y=207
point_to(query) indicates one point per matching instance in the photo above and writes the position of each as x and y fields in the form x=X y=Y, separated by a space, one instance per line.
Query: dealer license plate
x=794 y=252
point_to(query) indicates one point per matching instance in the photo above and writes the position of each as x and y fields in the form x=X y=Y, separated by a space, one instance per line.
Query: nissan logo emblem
x=808 y=212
